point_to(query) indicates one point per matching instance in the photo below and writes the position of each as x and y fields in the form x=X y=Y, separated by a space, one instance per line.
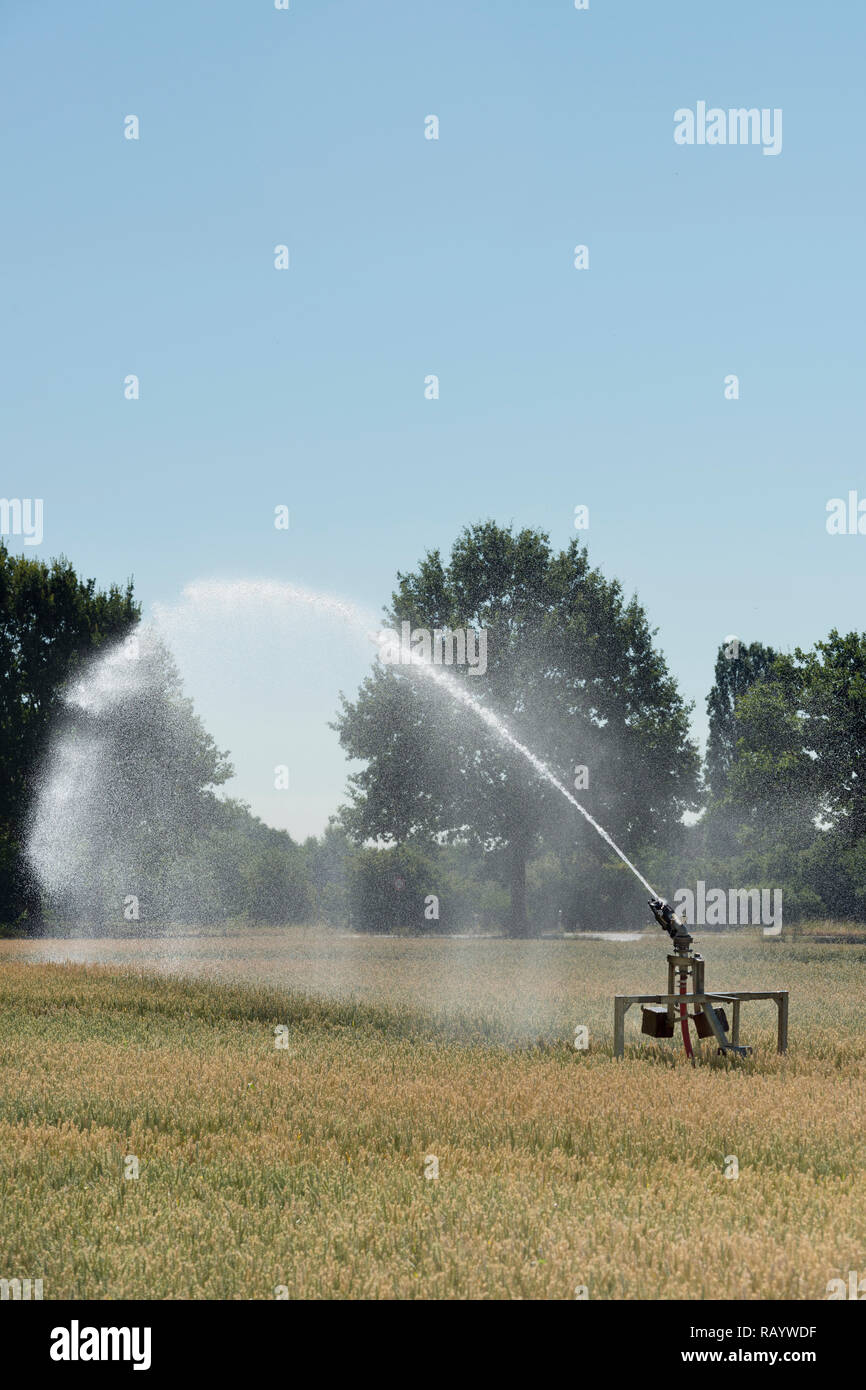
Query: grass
x=851 y=932
x=303 y=1169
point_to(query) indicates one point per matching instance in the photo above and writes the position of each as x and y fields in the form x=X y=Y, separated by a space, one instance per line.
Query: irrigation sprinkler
x=58 y=821
x=661 y=1011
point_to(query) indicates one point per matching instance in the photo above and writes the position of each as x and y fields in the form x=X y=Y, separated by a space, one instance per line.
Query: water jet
x=61 y=853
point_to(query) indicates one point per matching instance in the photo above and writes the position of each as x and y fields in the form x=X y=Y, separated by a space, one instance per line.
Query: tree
x=802 y=739
x=572 y=670
x=389 y=891
x=327 y=860
x=126 y=803
x=49 y=621
x=738 y=666
x=277 y=888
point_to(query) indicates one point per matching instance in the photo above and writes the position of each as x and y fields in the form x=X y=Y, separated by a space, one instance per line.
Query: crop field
x=316 y=1115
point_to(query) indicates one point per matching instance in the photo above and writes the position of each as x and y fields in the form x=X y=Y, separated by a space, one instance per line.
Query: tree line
x=446 y=827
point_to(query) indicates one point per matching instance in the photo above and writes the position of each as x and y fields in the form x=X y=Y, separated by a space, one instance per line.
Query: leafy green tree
x=142 y=768
x=49 y=621
x=236 y=867
x=802 y=739
x=277 y=888
x=389 y=888
x=788 y=807
x=738 y=667
x=571 y=668
x=327 y=860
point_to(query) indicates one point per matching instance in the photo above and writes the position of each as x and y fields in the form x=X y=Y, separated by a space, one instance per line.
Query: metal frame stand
x=681 y=966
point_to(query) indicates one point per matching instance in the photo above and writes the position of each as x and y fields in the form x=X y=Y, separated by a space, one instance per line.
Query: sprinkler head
x=670 y=922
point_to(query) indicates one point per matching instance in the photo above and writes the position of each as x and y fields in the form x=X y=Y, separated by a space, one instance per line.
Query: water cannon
x=670 y=922
x=707 y=1009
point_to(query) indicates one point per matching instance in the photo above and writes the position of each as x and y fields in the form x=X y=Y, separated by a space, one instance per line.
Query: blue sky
x=454 y=257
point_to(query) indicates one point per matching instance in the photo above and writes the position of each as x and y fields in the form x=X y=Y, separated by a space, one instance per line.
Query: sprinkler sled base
x=705 y=1008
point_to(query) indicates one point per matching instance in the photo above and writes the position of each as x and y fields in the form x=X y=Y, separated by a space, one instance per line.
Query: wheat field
x=316 y=1115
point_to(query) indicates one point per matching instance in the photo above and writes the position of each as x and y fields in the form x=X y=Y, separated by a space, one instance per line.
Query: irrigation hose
x=684 y=1023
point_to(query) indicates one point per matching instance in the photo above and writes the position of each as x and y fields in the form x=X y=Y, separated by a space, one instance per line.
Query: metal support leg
x=782 y=1006
x=735 y=1022
x=699 y=975
x=698 y=983
x=620 y=1004
x=724 y=1045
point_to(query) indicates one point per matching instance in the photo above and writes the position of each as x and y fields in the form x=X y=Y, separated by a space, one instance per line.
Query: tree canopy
x=50 y=619
x=571 y=668
x=738 y=666
x=801 y=737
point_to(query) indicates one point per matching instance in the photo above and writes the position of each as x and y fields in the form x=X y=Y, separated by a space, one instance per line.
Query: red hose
x=684 y=1024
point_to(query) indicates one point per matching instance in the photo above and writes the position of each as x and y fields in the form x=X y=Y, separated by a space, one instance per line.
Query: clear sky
x=409 y=257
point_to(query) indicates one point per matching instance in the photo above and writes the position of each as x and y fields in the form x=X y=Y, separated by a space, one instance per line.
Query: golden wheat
x=302 y=1170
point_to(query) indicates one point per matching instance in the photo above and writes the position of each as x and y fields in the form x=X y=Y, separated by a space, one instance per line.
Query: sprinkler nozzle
x=670 y=922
